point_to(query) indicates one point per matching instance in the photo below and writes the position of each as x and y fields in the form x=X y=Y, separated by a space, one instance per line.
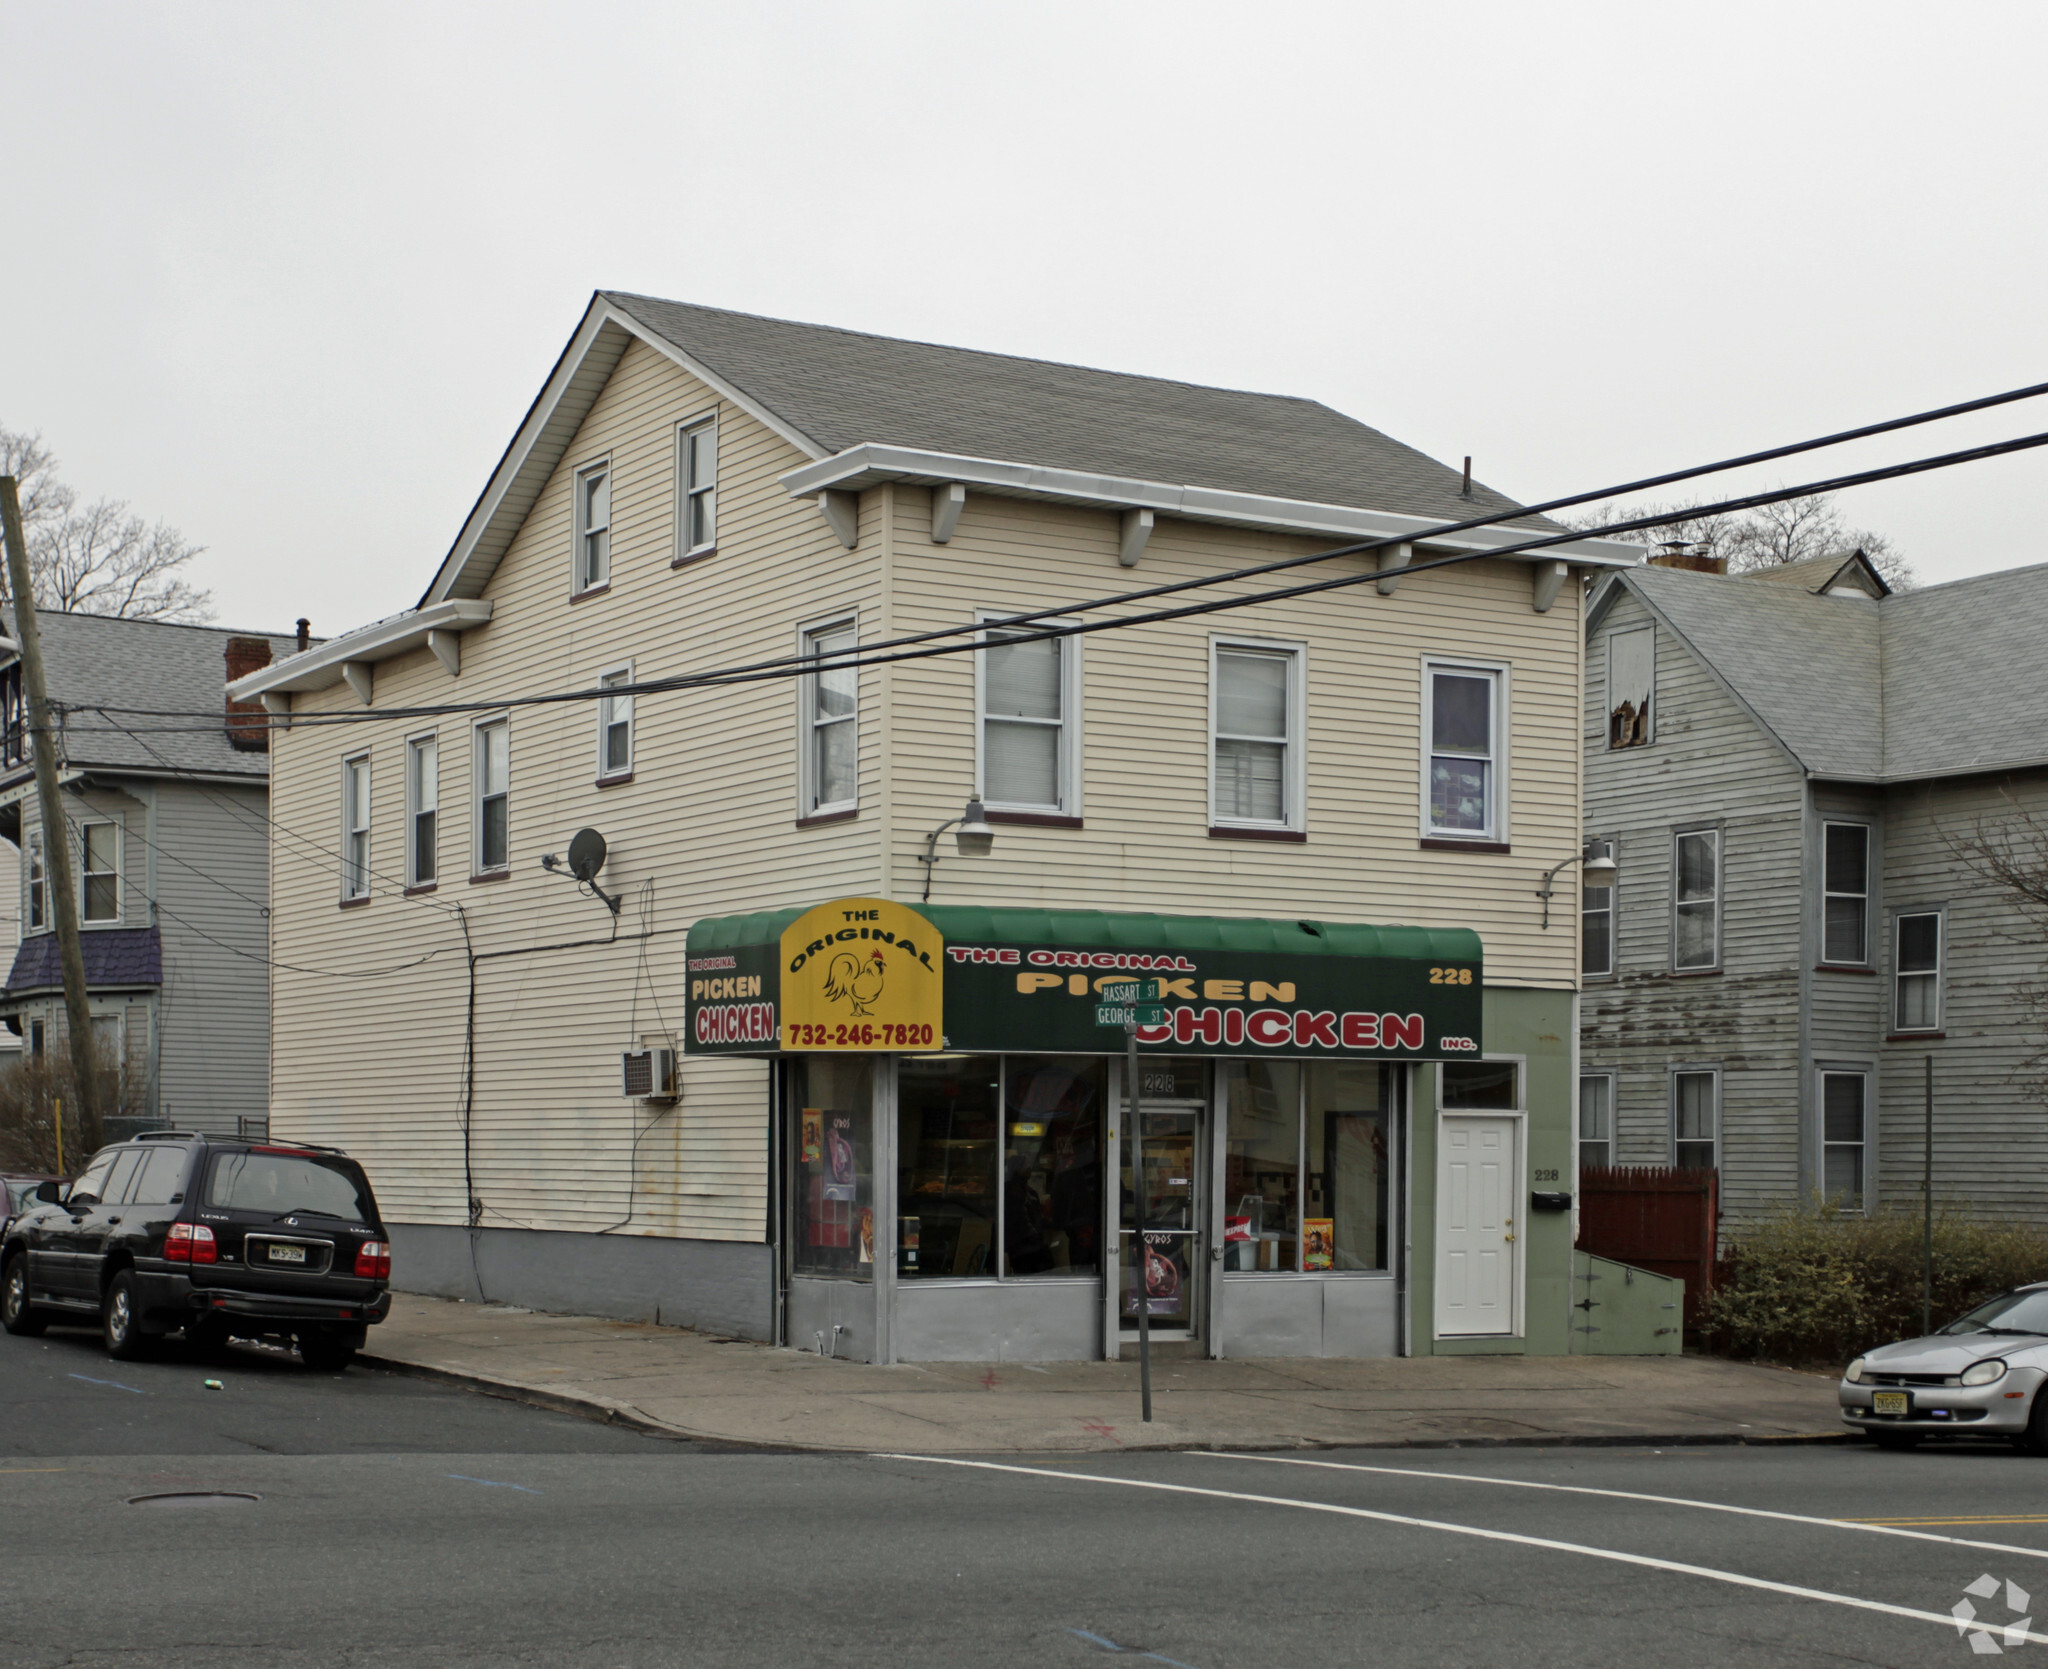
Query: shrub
x=39 y=1101
x=1819 y=1285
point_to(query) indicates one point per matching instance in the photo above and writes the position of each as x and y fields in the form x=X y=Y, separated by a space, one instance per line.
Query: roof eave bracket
x=842 y=512
x=1137 y=531
x=948 y=500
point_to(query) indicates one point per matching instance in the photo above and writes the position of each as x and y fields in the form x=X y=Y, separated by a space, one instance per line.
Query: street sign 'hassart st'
x=867 y=974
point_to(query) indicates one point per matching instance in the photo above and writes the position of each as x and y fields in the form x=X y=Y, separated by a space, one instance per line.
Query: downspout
x=1802 y=1099
x=885 y=856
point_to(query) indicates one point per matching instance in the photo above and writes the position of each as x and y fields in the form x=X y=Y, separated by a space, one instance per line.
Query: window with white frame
x=1695 y=1120
x=1916 y=959
x=422 y=810
x=1029 y=697
x=1696 y=899
x=830 y=740
x=1255 y=735
x=1843 y=1096
x=493 y=775
x=594 y=526
x=1464 y=722
x=1845 y=893
x=1596 y=920
x=615 y=725
x=1631 y=686
x=100 y=871
x=38 y=906
x=696 y=488
x=355 y=827
x=1596 y=1120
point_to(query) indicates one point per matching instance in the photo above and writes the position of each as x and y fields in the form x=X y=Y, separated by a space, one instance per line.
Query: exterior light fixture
x=1598 y=870
x=974 y=839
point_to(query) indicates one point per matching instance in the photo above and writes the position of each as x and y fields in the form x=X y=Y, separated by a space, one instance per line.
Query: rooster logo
x=851 y=979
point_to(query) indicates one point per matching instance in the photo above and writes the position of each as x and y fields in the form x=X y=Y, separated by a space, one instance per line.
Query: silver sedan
x=1979 y=1376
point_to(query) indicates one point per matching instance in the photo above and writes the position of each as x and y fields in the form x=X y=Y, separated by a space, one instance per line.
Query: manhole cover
x=195 y=1498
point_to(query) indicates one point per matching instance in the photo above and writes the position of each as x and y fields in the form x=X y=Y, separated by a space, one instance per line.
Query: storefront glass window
x=1052 y=1165
x=1262 y=1166
x=947 y=1124
x=1346 y=1226
x=833 y=1156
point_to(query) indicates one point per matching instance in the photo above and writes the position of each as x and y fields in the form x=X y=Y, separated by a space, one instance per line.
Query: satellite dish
x=586 y=854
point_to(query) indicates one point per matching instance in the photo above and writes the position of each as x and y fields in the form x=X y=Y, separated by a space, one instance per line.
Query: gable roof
x=89 y=659
x=1107 y=434
x=1819 y=574
x=1943 y=681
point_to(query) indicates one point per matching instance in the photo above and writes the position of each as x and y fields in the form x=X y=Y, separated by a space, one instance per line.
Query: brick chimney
x=248 y=725
x=1693 y=558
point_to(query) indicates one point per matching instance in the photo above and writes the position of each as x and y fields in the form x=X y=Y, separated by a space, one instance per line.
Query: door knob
x=1507 y=1237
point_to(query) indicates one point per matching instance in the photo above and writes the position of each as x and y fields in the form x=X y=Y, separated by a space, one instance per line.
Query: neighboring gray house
x=1784 y=762
x=169 y=833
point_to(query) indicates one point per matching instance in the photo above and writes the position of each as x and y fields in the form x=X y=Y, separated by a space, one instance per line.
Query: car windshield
x=279 y=1184
x=2009 y=1312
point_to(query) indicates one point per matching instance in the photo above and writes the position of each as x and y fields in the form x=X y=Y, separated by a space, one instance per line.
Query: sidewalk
x=735 y=1391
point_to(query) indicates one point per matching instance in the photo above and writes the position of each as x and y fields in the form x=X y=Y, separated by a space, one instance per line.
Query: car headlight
x=1853 y=1373
x=1984 y=1373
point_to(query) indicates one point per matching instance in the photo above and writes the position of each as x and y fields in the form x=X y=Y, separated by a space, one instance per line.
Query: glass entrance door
x=1176 y=1203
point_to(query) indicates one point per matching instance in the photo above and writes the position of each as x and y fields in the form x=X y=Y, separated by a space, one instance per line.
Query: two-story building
x=1790 y=767
x=898 y=1131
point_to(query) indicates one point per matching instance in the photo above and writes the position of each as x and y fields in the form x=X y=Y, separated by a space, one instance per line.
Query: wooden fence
x=1658 y=1218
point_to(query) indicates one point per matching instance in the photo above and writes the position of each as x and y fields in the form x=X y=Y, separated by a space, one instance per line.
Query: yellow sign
x=862 y=973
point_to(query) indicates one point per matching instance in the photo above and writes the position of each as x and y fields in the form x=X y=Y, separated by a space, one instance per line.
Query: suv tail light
x=373 y=1261
x=191 y=1243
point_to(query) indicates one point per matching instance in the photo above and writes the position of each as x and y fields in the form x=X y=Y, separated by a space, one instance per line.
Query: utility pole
x=58 y=887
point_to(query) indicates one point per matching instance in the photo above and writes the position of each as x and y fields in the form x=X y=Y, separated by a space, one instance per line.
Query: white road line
x=1633 y=1495
x=1941 y=1619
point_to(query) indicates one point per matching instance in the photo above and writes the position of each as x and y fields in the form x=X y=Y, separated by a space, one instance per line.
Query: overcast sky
x=288 y=276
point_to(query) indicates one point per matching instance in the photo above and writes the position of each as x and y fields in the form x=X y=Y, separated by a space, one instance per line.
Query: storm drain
x=195 y=1498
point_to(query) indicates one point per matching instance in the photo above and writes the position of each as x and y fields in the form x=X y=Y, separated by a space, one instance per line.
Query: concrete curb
x=608 y=1410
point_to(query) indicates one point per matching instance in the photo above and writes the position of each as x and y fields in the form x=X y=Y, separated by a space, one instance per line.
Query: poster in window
x=867 y=1234
x=840 y=1180
x=1320 y=1234
x=814 y=1135
x=1165 y=1264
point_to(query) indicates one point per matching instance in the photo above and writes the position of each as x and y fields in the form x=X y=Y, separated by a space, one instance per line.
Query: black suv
x=218 y=1236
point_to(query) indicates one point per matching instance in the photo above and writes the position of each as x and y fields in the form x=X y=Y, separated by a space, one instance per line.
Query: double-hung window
x=1255 y=736
x=1596 y=1120
x=1596 y=921
x=101 y=878
x=1696 y=899
x=615 y=725
x=1917 y=959
x=1842 y=1097
x=1463 y=769
x=1695 y=1119
x=1029 y=702
x=38 y=906
x=1631 y=686
x=830 y=738
x=594 y=527
x=1845 y=891
x=696 y=489
x=493 y=773
x=355 y=827
x=422 y=808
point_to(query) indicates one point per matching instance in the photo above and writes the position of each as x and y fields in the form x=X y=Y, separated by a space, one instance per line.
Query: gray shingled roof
x=92 y=659
x=841 y=388
x=1936 y=682
x=113 y=956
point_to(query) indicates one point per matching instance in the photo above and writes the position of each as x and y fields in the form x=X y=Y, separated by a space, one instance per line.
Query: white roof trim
x=320 y=669
x=868 y=465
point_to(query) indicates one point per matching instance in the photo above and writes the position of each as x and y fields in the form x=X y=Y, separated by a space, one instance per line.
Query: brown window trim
x=685 y=560
x=423 y=887
x=1225 y=831
x=348 y=903
x=1034 y=819
x=594 y=591
x=618 y=781
x=1436 y=843
x=1843 y=968
x=504 y=874
x=1914 y=1037
x=817 y=820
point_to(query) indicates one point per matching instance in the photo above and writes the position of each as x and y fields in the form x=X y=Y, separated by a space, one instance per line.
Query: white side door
x=1477 y=1272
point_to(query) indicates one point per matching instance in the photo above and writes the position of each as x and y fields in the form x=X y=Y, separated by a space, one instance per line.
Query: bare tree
x=103 y=559
x=1792 y=531
x=2010 y=852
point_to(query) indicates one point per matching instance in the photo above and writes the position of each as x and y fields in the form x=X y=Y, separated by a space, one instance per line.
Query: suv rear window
x=281 y=1183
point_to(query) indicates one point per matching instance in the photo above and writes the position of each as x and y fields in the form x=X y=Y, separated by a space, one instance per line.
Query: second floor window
x=615 y=725
x=1464 y=753
x=38 y=908
x=1596 y=921
x=1596 y=1120
x=1917 y=967
x=13 y=718
x=1696 y=900
x=697 y=489
x=1026 y=751
x=1845 y=888
x=493 y=796
x=355 y=827
x=423 y=807
x=1255 y=741
x=1694 y=1120
x=1631 y=686
x=101 y=849
x=831 y=733
x=594 y=527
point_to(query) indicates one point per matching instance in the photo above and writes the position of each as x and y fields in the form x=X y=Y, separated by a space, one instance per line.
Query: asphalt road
x=404 y=1523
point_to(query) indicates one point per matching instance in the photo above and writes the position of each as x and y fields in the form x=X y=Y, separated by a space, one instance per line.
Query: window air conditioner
x=648 y=1074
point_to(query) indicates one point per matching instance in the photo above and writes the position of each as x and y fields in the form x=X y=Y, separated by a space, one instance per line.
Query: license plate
x=287 y=1254
x=1891 y=1402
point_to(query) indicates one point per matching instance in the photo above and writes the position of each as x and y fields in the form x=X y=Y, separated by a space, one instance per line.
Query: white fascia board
x=320 y=669
x=868 y=465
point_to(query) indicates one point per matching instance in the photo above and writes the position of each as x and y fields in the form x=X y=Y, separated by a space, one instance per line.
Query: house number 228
x=1450 y=976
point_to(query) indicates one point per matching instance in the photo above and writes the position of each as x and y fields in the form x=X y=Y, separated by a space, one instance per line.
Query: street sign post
x=1132 y=1003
